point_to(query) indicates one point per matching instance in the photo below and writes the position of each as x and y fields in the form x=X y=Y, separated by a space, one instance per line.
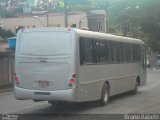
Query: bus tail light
x=17 y=80
x=72 y=81
x=74 y=76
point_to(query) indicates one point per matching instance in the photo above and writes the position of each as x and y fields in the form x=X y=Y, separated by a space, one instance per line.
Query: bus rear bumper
x=60 y=95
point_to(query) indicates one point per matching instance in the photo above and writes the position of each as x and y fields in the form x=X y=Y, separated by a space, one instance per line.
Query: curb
x=6 y=90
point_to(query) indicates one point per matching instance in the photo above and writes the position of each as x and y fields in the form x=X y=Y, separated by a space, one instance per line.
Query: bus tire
x=104 y=95
x=133 y=92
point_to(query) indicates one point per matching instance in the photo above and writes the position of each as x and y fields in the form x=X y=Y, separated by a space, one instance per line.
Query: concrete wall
x=6 y=69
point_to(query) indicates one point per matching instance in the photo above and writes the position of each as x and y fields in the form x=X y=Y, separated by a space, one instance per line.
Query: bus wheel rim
x=106 y=96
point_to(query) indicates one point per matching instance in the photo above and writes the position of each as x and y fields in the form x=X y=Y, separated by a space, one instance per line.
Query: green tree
x=143 y=18
x=81 y=5
x=6 y=33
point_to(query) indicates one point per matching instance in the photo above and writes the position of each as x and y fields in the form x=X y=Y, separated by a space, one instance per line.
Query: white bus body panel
x=120 y=80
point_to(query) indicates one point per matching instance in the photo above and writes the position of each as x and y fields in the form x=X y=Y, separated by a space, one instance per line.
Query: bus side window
x=81 y=49
x=131 y=53
x=134 y=53
x=124 y=52
x=106 y=51
x=139 y=53
x=100 y=51
x=86 y=51
x=109 y=52
x=115 y=52
x=128 y=52
x=94 y=59
x=120 y=52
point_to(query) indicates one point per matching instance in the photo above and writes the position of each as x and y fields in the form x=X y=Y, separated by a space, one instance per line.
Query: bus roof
x=108 y=36
x=90 y=34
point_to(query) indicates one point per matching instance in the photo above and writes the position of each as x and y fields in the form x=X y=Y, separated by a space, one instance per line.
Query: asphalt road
x=147 y=100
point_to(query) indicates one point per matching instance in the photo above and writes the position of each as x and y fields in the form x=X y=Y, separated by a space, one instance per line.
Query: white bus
x=65 y=64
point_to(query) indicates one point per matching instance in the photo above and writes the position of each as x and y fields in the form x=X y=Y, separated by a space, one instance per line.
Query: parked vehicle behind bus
x=64 y=64
x=158 y=60
x=148 y=63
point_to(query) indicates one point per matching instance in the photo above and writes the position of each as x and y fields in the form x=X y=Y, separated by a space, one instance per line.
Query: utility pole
x=47 y=20
x=36 y=17
x=66 y=13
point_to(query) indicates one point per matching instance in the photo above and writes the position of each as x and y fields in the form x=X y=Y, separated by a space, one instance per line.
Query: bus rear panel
x=44 y=65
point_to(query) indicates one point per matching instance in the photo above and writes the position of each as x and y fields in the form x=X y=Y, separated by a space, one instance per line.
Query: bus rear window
x=45 y=43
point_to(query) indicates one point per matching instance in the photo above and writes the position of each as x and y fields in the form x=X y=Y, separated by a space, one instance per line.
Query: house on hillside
x=94 y=20
x=97 y=20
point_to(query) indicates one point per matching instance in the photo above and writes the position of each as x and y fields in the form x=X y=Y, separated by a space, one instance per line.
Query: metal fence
x=6 y=69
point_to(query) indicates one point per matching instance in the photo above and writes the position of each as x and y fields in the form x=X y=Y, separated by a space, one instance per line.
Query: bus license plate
x=42 y=83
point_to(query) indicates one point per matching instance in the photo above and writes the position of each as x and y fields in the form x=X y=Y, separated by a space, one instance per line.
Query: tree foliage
x=143 y=18
x=81 y=5
x=6 y=33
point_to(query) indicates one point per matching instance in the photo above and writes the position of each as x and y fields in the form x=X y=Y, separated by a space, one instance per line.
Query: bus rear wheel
x=135 y=90
x=104 y=95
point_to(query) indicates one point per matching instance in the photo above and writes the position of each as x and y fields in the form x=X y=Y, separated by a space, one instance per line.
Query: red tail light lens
x=71 y=81
x=16 y=78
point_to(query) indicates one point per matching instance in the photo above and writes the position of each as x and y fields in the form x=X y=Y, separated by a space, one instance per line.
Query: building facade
x=97 y=20
x=94 y=20
x=52 y=20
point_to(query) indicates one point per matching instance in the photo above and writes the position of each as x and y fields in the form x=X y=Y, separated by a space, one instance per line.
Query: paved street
x=146 y=101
